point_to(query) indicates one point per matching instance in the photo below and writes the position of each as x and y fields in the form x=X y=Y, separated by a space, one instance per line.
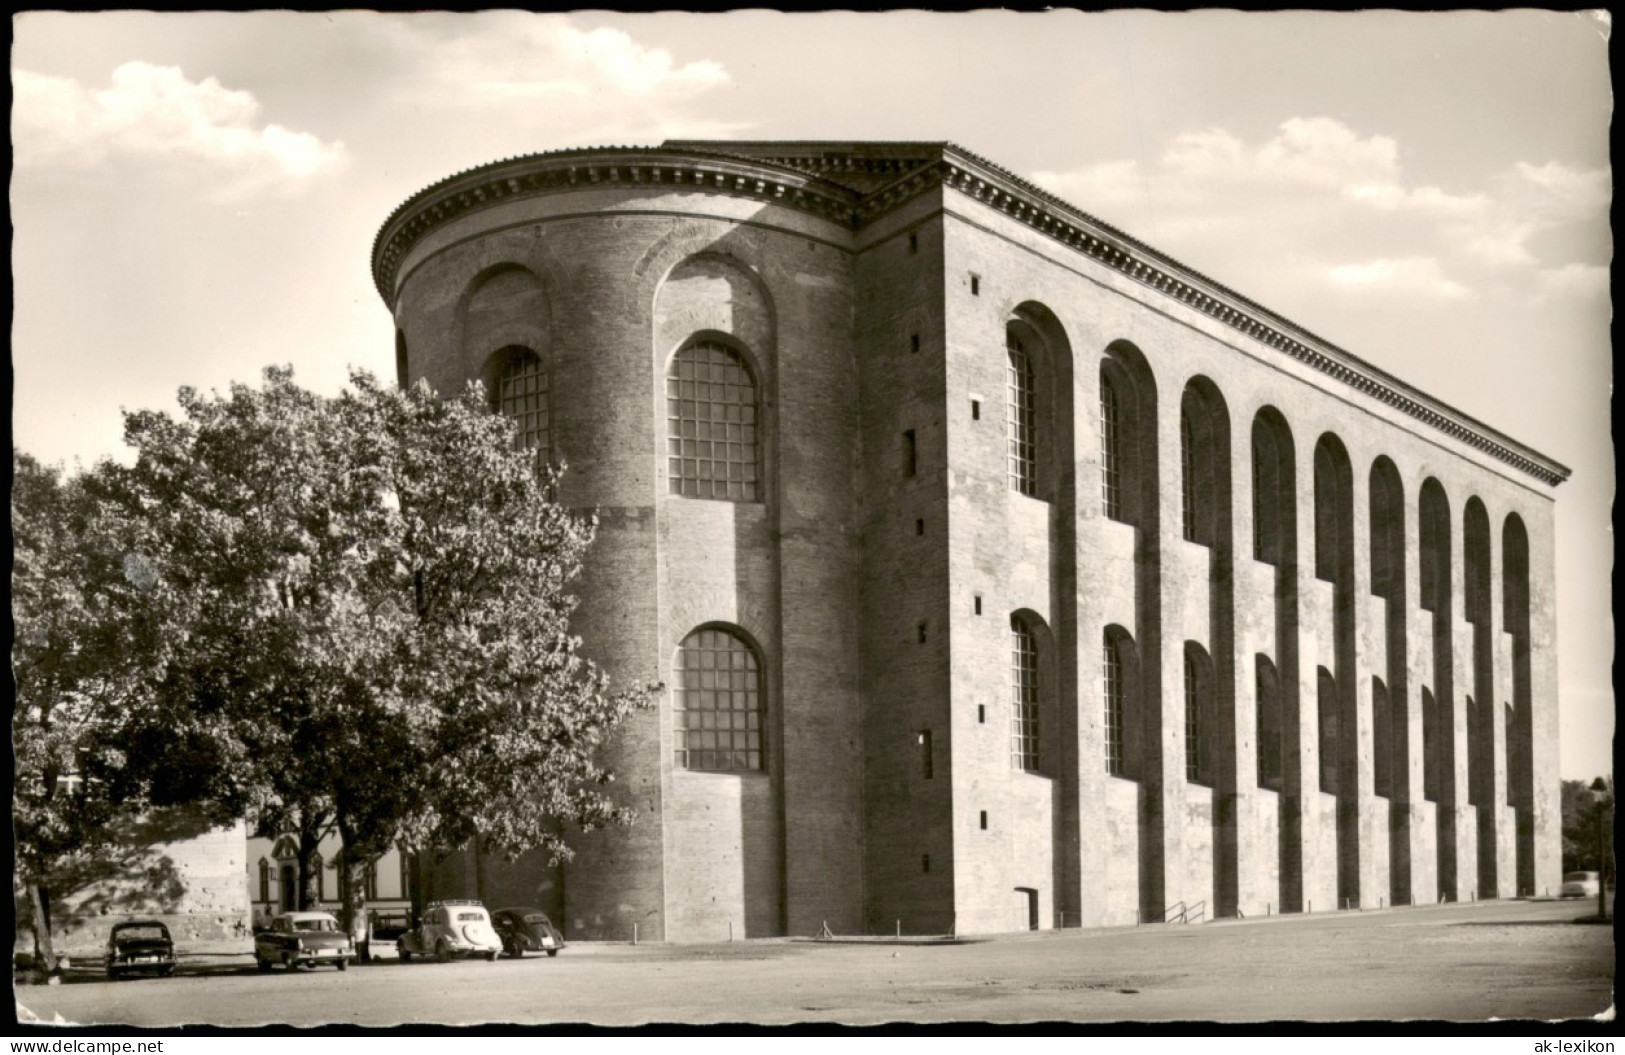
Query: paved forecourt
x=1503 y=960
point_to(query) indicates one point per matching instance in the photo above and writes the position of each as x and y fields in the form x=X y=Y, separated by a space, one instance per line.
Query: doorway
x=1027 y=905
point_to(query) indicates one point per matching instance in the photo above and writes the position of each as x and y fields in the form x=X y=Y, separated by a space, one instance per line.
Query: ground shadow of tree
x=134 y=875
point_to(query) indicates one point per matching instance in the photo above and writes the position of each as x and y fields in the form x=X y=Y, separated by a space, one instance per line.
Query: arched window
x=1382 y=740
x=1193 y=721
x=1023 y=421
x=521 y=393
x=1187 y=478
x=1024 y=697
x=1430 y=746
x=1199 y=715
x=1115 y=691
x=1267 y=690
x=369 y=880
x=1326 y=698
x=265 y=880
x=402 y=371
x=711 y=418
x=1111 y=448
x=717 y=703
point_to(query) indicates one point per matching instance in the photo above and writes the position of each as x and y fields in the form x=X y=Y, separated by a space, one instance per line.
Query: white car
x=449 y=929
x=1579 y=884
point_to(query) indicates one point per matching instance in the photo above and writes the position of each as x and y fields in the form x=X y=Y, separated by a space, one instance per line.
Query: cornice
x=525 y=176
x=982 y=180
x=804 y=176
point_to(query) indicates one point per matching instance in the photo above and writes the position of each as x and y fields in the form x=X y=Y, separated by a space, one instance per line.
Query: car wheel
x=552 y=952
x=344 y=965
x=263 y=965
x=406 y=957
x=491 y=956
x=114 y=973
x=165 y=972
x=289 y=962
x=442 y=952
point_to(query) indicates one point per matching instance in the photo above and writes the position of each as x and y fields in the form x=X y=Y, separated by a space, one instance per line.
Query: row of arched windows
x=713 y=418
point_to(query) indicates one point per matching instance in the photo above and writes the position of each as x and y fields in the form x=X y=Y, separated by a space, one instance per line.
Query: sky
x=194 y=196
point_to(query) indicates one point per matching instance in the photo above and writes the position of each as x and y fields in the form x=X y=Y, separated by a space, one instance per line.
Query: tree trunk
x=353 y=889
x=45 y=965
x=310 y=840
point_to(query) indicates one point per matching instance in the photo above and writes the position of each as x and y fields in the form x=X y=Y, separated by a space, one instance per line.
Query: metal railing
x=1179 y=912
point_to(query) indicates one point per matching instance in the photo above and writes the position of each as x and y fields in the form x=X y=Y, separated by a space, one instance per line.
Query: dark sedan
x=137 y=946
x=526 y=929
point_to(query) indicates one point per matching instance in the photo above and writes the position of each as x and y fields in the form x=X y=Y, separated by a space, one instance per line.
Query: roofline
x=711 y=165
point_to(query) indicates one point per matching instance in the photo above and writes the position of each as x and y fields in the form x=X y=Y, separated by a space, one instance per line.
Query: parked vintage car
x=526 y=929
x=138 y=946
x=449 y=929
x=1579 y=884
x=303 y=939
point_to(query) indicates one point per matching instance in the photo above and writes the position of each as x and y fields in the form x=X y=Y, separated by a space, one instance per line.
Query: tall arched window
x=1382 y=740
x=1111 y=448
x=1116 y=696
x=1199 y=714
x=369 y=880
x=716 y=703
x=1430 y=746
x=1193 y=720
x=521 y=394
x=265 y=880
x=1326 y=697
x=712 y=425
x=1267 y=690
x=1024 y=696
x=1187 y=477
x=1023 y=421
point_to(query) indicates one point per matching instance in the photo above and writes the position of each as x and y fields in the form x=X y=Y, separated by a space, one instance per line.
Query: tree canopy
x=357 y=608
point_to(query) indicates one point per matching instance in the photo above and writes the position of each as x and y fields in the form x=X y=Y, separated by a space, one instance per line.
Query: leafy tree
x=1588 y=825
x=376 y=609
x=90 y=648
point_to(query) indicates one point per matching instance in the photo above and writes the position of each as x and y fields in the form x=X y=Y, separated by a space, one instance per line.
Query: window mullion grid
x=1021 y=402
x=1113 y=677
x=1110 y=454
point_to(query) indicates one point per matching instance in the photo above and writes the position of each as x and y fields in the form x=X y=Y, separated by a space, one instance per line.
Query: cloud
x=1416 y=275
x=1573 y=281
x=1316 y=190
x=154 y=115
x=600 y=79
x=1313 y=152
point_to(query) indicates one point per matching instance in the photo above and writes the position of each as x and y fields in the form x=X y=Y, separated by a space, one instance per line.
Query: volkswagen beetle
x=526 y=929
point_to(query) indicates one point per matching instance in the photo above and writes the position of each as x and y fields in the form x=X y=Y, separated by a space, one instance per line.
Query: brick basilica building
x=1002 y=572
